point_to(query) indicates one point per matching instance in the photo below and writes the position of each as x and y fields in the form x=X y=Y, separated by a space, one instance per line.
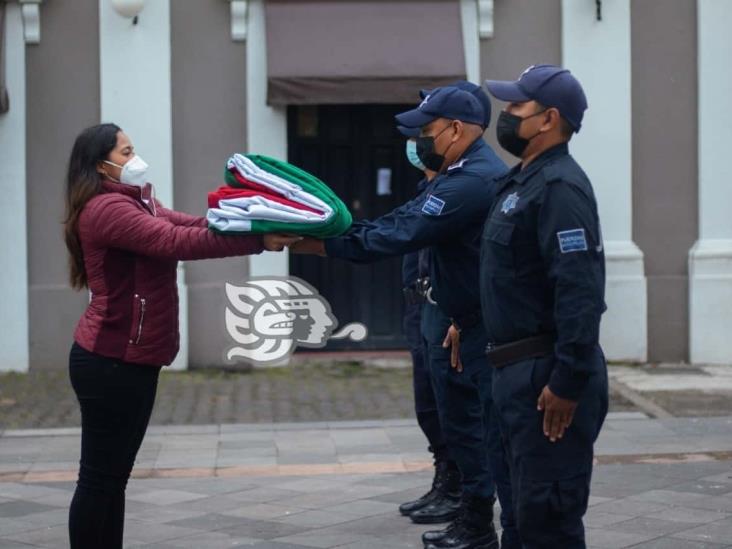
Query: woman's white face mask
x=134 y=172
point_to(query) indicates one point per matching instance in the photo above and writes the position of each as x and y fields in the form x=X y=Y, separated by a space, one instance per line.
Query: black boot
x=411 y=506
x=435 y=536
x=446 y=505
x=474 y=530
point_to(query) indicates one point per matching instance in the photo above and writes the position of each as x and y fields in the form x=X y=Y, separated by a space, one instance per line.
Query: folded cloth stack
x=265 y=195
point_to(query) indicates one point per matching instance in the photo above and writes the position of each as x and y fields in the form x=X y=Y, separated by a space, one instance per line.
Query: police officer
x=441 y=502
x=447 y=218
x=542 y=278
x=434 y=324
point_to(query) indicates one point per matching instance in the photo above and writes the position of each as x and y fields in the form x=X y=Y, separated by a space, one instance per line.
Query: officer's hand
x=558 y=413
x=275 y=242
x=309 y=245
x=452 y=339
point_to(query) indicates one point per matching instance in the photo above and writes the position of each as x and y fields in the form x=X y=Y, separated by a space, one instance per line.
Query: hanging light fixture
x=129 y=8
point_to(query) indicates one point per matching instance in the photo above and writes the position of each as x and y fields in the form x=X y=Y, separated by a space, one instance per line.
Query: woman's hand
x=452 y=339
x=276 y=242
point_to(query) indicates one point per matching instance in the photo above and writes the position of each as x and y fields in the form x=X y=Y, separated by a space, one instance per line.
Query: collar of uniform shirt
x=539 y=161
x=465 y=156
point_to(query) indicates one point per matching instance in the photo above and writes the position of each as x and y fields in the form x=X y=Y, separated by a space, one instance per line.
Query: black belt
x=419 y=292
x=469 y=320
x=523 y=349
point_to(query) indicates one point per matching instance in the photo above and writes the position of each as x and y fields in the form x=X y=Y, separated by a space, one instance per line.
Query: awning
x=336 y=51
x=4 y=102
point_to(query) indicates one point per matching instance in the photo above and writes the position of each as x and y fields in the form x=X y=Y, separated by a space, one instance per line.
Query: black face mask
x=426 y=152
x=507 y=129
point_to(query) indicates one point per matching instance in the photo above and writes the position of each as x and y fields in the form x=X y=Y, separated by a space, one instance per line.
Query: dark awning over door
x=377 y=51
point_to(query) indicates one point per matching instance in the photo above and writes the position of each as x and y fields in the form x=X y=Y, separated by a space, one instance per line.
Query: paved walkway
x=663 y=484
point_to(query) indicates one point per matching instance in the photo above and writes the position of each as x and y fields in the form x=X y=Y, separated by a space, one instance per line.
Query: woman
x=124 y=247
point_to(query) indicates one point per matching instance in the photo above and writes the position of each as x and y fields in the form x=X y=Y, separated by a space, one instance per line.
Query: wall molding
x=239 y=19
x=31 y=13
x=485 y=18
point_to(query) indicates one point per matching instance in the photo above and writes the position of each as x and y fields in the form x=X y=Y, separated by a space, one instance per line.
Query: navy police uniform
x=542 y=279
x=414 y=267
x=448 y=219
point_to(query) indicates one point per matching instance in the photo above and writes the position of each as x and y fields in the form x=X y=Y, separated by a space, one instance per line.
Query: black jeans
x=116 y=400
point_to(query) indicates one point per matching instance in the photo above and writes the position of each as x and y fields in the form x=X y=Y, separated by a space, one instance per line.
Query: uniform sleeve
x=118 y=223
x=432 y=217
x=571 y=247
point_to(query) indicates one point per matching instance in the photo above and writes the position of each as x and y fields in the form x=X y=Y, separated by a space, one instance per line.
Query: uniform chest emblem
x=510 y=203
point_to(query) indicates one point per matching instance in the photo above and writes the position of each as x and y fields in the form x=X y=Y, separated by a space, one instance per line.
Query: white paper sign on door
x=383 y=181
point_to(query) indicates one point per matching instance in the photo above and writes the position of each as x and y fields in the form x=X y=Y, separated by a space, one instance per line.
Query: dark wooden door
x=358 y=152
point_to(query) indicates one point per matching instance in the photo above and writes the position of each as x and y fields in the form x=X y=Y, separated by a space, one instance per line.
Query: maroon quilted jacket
x=131 y=247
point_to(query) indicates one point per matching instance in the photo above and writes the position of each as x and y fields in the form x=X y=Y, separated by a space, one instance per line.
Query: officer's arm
x=420 y=223
x=571 y=247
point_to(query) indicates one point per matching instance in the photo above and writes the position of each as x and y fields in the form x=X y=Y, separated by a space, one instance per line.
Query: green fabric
x=338 y=223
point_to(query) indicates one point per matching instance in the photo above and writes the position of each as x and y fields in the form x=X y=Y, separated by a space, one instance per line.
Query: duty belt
x=412 y=296
x=522 y=349
x=423 y=287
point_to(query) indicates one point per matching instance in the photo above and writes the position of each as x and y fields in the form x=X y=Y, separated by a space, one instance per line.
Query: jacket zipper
x=142 y=317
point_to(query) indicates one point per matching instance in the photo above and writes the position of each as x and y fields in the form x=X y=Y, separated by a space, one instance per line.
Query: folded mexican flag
x=265 y=195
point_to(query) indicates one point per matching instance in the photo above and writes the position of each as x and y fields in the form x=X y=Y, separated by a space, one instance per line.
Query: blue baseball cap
x=446 y=102
x=409 y=132
x=477 y=91
x=549 y=85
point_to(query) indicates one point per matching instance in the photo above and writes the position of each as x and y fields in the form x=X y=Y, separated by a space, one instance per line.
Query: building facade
x=192 y=81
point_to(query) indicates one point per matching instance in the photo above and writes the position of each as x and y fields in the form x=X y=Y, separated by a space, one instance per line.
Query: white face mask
x=134 y=171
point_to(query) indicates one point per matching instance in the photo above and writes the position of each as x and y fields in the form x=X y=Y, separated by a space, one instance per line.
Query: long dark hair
x=82 y=184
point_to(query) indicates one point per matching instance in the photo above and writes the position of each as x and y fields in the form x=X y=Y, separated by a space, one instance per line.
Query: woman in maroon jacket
x=124 y=247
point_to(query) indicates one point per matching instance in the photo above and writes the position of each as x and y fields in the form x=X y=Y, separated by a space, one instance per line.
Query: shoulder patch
x=572 y=241
x=433 y=205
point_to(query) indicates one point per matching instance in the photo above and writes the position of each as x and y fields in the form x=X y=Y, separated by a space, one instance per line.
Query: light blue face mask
x=412 y=155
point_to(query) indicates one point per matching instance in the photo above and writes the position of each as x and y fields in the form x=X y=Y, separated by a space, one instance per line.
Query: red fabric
x=223 y=193
x=131 y=252
x=247 y=184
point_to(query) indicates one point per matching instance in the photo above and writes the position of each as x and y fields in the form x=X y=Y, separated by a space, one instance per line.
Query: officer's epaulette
x=457 y=165
x=552 y=171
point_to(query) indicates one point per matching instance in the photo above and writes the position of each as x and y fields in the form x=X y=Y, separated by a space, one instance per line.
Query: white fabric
x=226 y=224
x=289 y=190
x=258 y=208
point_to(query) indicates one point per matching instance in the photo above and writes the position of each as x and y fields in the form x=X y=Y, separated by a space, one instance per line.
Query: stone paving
x=659 y=484
x=306 y=391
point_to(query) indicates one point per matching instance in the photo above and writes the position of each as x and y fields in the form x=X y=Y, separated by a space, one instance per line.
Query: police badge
x=510 y=203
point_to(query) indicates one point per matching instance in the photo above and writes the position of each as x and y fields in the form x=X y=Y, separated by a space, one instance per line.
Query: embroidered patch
x=572 y=241
x=456 y=165
x=433 y=206
x=510 y=203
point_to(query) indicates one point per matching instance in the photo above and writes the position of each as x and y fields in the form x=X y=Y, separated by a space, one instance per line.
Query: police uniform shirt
x=411 y=263
x=448 y=217
x=542 y=267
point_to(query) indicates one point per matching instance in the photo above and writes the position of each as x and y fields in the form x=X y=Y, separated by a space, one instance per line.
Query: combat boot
x=474 y=530
x=446 y=505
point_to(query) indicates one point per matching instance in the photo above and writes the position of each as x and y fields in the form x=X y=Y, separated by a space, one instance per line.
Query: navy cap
x=477 y=91
x=549 y=85
x=409 y=132
x=446 y=102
